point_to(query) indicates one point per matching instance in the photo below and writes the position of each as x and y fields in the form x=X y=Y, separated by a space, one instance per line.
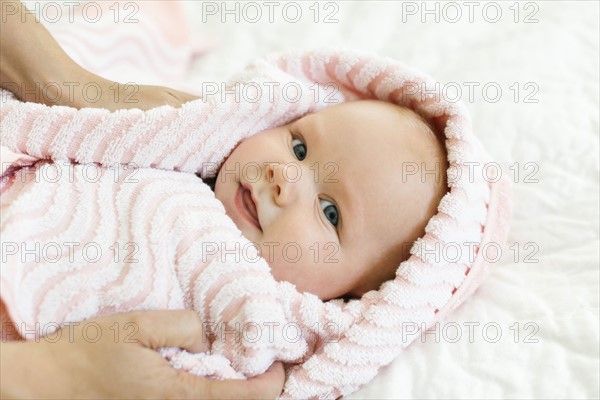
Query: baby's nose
x=286 y=180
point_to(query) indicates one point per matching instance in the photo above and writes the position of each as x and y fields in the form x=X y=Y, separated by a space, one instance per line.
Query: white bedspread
x=532 y=329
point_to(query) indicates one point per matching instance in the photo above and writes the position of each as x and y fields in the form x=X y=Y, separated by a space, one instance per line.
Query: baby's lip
x=250 y=204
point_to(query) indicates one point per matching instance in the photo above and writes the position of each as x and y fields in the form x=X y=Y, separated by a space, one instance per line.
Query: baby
x=329 y=184
x=327 y=188
x=336 y=187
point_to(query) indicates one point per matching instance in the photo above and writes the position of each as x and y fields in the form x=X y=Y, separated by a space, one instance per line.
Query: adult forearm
x=32 y=63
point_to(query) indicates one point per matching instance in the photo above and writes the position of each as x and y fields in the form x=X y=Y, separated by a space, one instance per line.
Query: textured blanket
x=124 y=185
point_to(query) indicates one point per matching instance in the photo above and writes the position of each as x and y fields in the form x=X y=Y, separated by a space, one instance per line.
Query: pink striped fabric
x=169 y=213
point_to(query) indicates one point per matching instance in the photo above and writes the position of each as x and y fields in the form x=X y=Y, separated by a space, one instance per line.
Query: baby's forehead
x=372 y=106
x=366 y=126
x=373 y=120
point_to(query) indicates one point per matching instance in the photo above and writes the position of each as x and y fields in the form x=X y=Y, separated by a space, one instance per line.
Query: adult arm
x=120 y=363
x=34 y=67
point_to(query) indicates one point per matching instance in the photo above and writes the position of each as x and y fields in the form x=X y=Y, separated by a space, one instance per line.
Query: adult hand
x=103 y=93
x=122 y=362
x=139 y=96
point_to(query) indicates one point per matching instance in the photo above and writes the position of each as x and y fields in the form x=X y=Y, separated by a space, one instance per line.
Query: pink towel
x=342 y=345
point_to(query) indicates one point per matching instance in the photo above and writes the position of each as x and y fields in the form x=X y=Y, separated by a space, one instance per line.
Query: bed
x=528 y=73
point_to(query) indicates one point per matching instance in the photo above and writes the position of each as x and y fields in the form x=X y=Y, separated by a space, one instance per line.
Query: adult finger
x=169 y=328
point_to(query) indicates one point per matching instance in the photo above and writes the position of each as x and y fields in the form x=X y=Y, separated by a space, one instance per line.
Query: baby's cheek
x=278 y=269
x=281 y=269
x=286 y=264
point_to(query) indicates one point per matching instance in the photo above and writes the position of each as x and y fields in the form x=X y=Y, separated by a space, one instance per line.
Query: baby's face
x=324 y=197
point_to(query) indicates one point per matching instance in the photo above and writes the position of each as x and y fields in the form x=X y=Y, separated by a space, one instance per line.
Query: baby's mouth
x=249 y=206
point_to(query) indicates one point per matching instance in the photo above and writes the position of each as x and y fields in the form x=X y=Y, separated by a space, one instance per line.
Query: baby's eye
x=299 y=149
x=330 y=211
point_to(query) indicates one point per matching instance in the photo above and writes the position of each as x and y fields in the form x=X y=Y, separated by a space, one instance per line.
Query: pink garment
x=161 y=213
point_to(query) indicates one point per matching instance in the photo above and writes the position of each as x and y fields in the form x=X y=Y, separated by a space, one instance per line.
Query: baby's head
x=336 y=198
